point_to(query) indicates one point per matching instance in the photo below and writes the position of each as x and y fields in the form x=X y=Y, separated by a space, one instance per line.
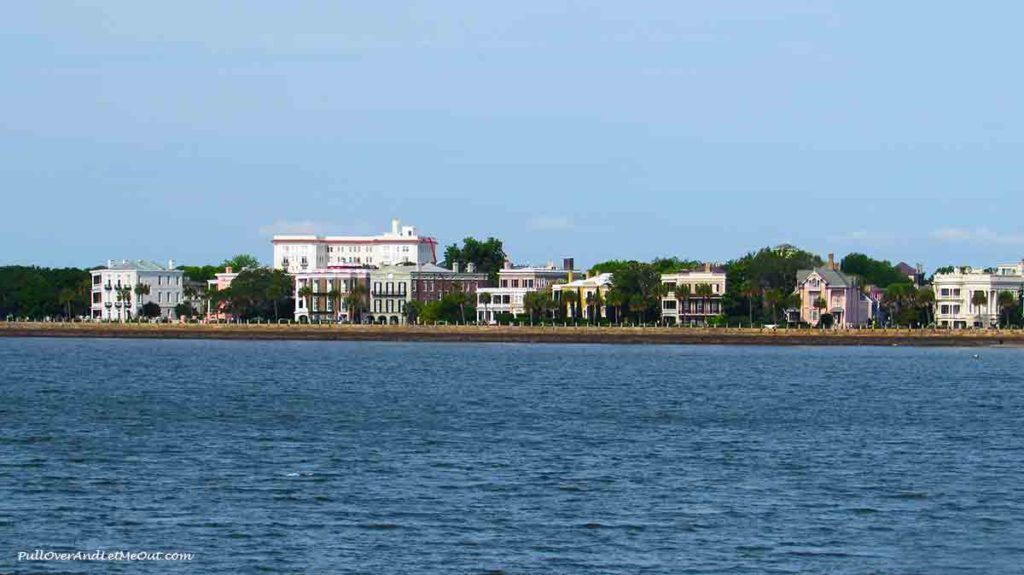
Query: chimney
x=394 y=226
x=567 y=264
x=455 y=266
x=471 y=268
x=170 y=264
x=707 y=266
x=831 y=261
x=227 y=269
x=507 y=265
x=110 y=263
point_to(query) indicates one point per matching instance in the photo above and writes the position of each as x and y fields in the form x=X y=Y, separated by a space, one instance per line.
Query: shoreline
x=524 y=334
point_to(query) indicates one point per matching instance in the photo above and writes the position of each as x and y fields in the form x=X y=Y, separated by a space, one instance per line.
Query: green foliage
x=34 y=292
x=636 y=292
x=488 y=256
x=151 y=309
x=871 y=271
x=185 y=310
x=200 y=273
x=257 y=293
x=753 y=275
x=453 y=307
x=241 y=262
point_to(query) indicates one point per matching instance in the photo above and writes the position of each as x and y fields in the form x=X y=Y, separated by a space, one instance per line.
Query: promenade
x=522 y=334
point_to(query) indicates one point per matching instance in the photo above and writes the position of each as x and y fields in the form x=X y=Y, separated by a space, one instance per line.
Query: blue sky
x=194 y=130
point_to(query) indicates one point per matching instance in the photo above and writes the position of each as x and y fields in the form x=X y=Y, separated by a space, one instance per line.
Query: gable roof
x=834 y=278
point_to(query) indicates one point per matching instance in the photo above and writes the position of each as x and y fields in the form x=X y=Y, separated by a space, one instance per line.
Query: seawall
x=521 y=334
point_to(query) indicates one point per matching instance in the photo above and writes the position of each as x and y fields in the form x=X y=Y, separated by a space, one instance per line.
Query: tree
x=704 y=292
x=820 y=304
x=978 y=300
x=1006 y=303
x=925 y=299
x=306 y=293
x=355 y=301
x=682 y=293
x=639 y=287
x=278 y=290
x=774 y=298
x=569 y=298
x=488 y=256
x=768 y=268
x=124 y=297
x=877 y=272
x=66 y=297
x=749 y=290
x=485 y=298
x=151 y=309
x=242 y=262
x=184 y=310
x=334 y=296
x=140 y=290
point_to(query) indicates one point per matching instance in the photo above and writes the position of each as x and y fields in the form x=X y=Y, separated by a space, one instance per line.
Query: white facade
x=115 y=289
x=320 y=305
x=513 y=285
x=402 y=244
x=954 y=292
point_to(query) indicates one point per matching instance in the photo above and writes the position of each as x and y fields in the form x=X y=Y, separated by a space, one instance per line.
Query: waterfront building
x=692 y=306
x=913 y=273
x=120 y=289
x=221 y=281
x=955 y=290
x=840 y=293
x=393 y=287
x=590 y=297
x=513 y=285
x=328 y=288
x=402 y=244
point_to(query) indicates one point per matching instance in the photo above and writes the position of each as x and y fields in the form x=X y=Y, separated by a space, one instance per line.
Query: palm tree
x=978 y=300
x=682 y=293
x=925 y=298
x=65 y=297
x=334 y=296
x=569 y=299
x=306 y=293
x=140 y=290
x=124 y=297
x=820 y=304
x=704 y=292
x=1006 y=302
x=485 y=298
x=355 y=301
x=774 y=298
x=749 y=289
x=616 y=299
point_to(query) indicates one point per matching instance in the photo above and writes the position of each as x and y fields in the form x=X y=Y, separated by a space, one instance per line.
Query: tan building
x=682 y=307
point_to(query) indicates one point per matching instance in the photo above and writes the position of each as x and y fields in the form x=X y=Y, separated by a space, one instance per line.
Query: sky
x=598 y=130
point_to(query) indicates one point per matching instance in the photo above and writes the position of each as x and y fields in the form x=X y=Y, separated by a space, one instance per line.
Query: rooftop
x=138 y=265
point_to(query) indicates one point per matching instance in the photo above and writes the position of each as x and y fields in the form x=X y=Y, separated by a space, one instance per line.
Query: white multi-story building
x=513 y=285
x=955 y=293
x=328 y=288
x=120 y=289
x=693 y=308
x=298 y=253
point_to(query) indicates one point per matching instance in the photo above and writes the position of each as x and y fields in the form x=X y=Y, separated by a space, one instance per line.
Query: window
x=945 y=309
x=669 y=304
x=529 y=283
x=515 y=283
x=96 y=280
x=504 y=283
x=376 y=287
x=944 y=292
x=401 y=288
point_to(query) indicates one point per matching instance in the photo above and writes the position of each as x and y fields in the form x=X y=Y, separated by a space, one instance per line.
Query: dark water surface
x=331 y=457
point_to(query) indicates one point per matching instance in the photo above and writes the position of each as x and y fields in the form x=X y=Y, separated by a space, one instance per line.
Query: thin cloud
x=551 y=224
x=313 y=227
x=863 y=238
x=980 y=235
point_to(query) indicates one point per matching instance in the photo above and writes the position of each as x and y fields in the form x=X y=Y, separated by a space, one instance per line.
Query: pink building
x=221 y=281
x=839 y=292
